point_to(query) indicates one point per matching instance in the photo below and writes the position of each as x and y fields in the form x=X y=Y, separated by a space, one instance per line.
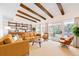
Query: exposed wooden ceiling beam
x=25 y=18
x=27 y=15
x=32 y=11
x=60 y=8
x=44 y=9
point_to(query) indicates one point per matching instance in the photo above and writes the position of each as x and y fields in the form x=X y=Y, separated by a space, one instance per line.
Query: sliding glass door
x=68 y=28
x=55 y=31
x=62 y=29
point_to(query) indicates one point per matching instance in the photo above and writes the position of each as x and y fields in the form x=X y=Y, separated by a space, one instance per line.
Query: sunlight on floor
x=51 y=48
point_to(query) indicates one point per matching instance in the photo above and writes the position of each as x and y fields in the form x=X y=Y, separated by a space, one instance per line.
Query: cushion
x=27 y=34
x=67 y=39
x=22 y=36
x=31 y=34
x=7 y=40
x=18 y=40
x=62 y=38
x=1 y=43
x=38 y=34
x=15 y=37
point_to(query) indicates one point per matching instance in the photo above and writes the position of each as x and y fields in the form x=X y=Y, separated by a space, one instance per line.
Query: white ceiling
x=8 y=9
x=71 y=10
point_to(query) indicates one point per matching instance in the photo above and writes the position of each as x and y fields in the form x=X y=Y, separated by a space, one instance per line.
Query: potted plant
x=34 y=29
x=75 y=30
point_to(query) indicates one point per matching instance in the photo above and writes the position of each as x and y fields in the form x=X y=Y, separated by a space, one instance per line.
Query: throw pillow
x=7 y=40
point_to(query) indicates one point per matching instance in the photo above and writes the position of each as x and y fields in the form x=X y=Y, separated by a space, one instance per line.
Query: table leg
x=40 y=44
x=32 y=43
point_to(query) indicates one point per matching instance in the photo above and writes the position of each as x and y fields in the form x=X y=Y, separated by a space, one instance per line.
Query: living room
x=39 y=29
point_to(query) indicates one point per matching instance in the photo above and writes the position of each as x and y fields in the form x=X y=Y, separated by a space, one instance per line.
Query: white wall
x=1 y=27
x=5 y=24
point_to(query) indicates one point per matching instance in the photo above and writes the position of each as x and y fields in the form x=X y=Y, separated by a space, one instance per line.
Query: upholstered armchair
x=45 y=36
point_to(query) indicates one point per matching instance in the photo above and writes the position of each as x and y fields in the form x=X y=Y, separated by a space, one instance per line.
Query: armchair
x=45 y=36
x=66 y=41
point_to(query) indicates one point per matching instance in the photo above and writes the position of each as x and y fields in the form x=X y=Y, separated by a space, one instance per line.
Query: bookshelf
x=19 y=27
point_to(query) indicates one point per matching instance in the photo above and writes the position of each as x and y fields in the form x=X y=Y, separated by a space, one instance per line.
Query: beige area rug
x=52 y=48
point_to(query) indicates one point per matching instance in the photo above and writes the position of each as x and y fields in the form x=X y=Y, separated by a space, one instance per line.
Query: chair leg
x=32 y=43
x=39 y=44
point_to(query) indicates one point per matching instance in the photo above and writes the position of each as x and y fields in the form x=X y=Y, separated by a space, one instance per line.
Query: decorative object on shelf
x=19 y=27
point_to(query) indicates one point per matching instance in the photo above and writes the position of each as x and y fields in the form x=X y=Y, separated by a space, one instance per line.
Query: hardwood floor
x=51 y=48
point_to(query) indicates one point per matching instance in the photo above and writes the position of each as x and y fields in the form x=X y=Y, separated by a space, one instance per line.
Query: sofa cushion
x=27 y=34
x=7 y=40
x=1 y=43
x=15 y=37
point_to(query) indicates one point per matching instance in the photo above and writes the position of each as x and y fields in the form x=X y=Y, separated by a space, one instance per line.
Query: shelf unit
x=19 y=27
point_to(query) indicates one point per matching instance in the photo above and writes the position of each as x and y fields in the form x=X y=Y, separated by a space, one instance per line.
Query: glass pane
x=38 y=28
x=68 y=28
x=54 y=31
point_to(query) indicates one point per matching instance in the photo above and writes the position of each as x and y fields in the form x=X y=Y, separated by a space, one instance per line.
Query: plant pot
x=77 y=42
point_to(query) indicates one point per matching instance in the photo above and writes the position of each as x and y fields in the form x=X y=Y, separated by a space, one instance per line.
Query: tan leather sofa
x=17 y=48
x=29 y=36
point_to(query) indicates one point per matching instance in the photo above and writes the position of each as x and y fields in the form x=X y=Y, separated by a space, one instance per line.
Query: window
x=57 y=30
x=38 y=28
x=68 y=28
x=54 y=31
